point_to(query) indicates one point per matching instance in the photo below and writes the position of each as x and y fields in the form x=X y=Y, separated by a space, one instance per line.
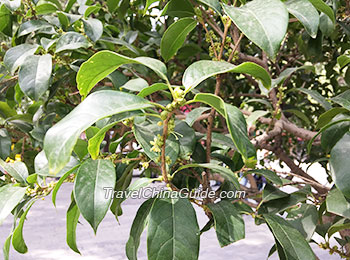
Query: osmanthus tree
x=186 y=91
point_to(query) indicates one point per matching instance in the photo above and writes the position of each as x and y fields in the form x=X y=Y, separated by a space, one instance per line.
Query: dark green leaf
x=73 y=214
x=270 y=175
x=5 y=144
x=337 y=203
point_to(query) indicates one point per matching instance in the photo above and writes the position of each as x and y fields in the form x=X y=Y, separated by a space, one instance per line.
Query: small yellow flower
x=18 y=158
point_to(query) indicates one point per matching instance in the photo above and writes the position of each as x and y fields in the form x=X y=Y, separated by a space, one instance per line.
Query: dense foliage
x=186 y=91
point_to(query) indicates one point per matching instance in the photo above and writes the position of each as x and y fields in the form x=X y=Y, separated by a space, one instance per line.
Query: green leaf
x=236 y=124
x=187 y=138
x=138 y=225
x=201 y=70
x=338 y=226
x=10 y=196
x=33 y=26
x=340 y=164
x=93 y=28
x=71 y=41
x=60 y=182
x=337 y=203
x=45 y=8
x=229 y=224
x=306 y=13
x=61 y=138
x=17 y=238
x=15 y=56
x=327 y=116
x=92 y=9
x=137 y=85
x=144 y=134
x=323 y=7
x=299 y=114
x=226 y=173
x=6 y=111
x=5 y=144
x=101 y=64
x=213 y=4
x=151 y=89
x=343 y=99
x=270 y=192
x=89 y=189
x=73 y=214
x=304 y=218
x=343 y=60
x=5 y=20
x=264 y=22
x=292 y=242
x=174 y=37
x=270 y=175
x=34 y=75
x=334 y=133
x=192 y=116
x=326 y=25
x=17 y=170
x=317 y=96
x=12 y=5
x=178 y=8
x=6 y=248
x=167 y=236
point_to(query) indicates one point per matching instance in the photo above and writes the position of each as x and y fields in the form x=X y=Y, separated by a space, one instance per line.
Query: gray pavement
x=44 y=233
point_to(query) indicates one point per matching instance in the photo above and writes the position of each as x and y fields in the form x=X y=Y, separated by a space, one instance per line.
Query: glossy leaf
x=73 y=214
x=5 y=144
x=323 y=7
x=103 y=63
x=89 y=193
x=292 y=242
x=167 y=236
x=15 y=56
x=192 y=116
x=337 y=203
x=17 y=170
x=236 y=123
x=306 y=13
x=17 y=238
x=214 y=4
x=138 y=225
x=34 y=75
x=264 y=22
x=61 y=138
x=137 y=85
x=152 y=89
x=71 y=41
x=32 y=26
x=339 y=163
x=270 y=175
x=343 y=60
x=175 y=36
x=10 y=196
x=93 y=28
x=201 y=70
x=229 y=224
x=226 y=173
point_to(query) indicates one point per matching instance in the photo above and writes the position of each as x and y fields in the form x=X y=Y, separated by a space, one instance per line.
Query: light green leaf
x=137 y=85
x=174 y=37
x=236 y=124
x=17 y=238
x=34 y=75
x=338 y=226
x=192 y=116
x=264 y=22
x=255 y=115
x=61 y=138
x=93 y=28
x=226 y=173
x=326 y=25
x=151 y=89
x=340 y=164
x=89 y=189
x=201 y=70
x=101 y=64
x=10 y=196
x=71 y=41
x=167 y=236
x=73 y=214
x=92 y=9
x=317 y=96
x=306 y=13
x=45 y=8
x=138 y=225
x=323 y=7
x=343 y=60
x=327 y=116
x=293 y=243
x=15 y=56
x=32 y=26
x=337 y=203
x=17 y=170
x=229 y=224
x=12 y=5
